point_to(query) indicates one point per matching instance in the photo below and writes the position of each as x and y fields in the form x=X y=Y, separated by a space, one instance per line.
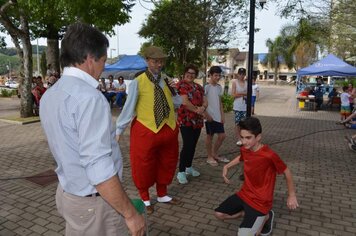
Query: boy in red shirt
x=255 y=198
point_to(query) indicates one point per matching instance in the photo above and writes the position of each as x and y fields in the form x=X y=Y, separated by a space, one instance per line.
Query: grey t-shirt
x=213 y=94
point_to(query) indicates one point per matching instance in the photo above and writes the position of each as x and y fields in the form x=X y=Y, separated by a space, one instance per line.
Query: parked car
x=12 y=84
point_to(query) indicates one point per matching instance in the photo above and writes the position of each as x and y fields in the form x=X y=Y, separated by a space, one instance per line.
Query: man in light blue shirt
x=76 y=119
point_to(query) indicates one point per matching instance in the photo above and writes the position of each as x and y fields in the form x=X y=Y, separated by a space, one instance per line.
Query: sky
x=128 y=42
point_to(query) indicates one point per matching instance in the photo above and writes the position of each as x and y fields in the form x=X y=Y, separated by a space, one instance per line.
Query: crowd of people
x=345 y=98
x=76 y=118
x=115 y=93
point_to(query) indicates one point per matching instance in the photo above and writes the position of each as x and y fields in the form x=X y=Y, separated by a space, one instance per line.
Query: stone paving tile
x=309 y=142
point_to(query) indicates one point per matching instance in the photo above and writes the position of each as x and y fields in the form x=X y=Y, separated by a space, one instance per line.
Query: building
x=232 y=59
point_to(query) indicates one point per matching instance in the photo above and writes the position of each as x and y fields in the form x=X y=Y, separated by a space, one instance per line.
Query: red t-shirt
x=195 y=94
x=260 y=170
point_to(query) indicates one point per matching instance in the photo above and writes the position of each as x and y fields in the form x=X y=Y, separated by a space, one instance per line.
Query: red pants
x=153 y=158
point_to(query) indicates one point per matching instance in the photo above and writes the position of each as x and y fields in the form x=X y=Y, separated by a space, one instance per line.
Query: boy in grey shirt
x=215 y=117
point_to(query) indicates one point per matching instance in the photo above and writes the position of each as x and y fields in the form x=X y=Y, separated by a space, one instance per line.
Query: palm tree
x=307 y=37
x=297 y=45
x=279 y=50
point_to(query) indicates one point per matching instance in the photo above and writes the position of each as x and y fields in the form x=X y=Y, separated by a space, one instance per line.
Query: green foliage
x=8 y=51
x=185 y=29
x=228 y=102
x=2 y=42
x=7 y=61
x=7 y=92
x=336 y=33
x=341 y=83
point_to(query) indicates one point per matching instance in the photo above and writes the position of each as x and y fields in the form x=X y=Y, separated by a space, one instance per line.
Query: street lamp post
x=251 y=42
x=112 y=49
x=38 y=60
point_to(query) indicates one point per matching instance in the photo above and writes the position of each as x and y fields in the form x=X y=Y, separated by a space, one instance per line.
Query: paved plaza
x=310 y=143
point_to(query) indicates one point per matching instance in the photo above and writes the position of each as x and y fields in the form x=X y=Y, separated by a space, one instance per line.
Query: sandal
x=212 y=162
x=222 y=159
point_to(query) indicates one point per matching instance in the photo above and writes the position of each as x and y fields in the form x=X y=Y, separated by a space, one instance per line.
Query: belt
x=93 y=195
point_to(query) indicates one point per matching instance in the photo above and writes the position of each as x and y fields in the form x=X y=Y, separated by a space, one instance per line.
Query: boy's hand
x=224 y=175
x=208 y=117
x=292 y=202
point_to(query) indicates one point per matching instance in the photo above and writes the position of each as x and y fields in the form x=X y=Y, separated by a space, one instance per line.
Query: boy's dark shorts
x=214 y=127
x=234 y=204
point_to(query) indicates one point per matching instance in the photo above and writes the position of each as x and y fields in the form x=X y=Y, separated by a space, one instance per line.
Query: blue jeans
x=119 y=97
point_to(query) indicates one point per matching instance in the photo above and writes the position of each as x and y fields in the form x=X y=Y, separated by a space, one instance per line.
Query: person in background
x=254 y=200
x=154 y=147
x=215 y=117
x=255 y=94
x=345 y=110
x=111 y=89
x=38 y=90
x=190 y=121
x=76 y=119
x=318 y=93
x=102 y=87
x=352 y=93
x=51 y=81
x=120 y=92
x=239 y=92
x=332 y=94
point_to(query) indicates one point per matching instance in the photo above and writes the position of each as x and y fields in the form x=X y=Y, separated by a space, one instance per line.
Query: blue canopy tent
x=328 y=66
x=128 y=62
x=127 y=67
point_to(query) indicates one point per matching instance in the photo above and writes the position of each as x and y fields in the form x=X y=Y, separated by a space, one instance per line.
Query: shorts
x=253 y=219
x=214 y=127
x=239 y=116
x=345 y=110
x=253 y=101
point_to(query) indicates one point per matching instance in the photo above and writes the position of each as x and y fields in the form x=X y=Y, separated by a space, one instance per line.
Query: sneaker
x=182 y=178
x=267 y=228
x=239 y=143
x=191 y=171
x=352 y=147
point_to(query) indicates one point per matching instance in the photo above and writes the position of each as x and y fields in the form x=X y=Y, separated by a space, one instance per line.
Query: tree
x=172 y=27
x=306 y=38
x=187 y=28
x=338 y=17
x=14 y=19
x=50 y=18
x=25 y=18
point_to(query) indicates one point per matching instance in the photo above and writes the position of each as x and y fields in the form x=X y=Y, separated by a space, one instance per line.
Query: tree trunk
x=53 y=54
x=26 y=79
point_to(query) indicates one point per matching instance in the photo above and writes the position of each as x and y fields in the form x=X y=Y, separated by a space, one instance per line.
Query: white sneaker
x=191 y=171
x=239 y=143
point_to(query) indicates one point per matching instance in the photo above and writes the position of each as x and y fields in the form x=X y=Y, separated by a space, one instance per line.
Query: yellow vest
x=144 y=106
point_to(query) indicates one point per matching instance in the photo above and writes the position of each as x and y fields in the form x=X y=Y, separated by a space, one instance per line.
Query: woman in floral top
x=190 y=120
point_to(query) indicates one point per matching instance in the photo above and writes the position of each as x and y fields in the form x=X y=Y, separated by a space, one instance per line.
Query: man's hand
x=292 y=202
x=118 y=138
x=136 y=225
